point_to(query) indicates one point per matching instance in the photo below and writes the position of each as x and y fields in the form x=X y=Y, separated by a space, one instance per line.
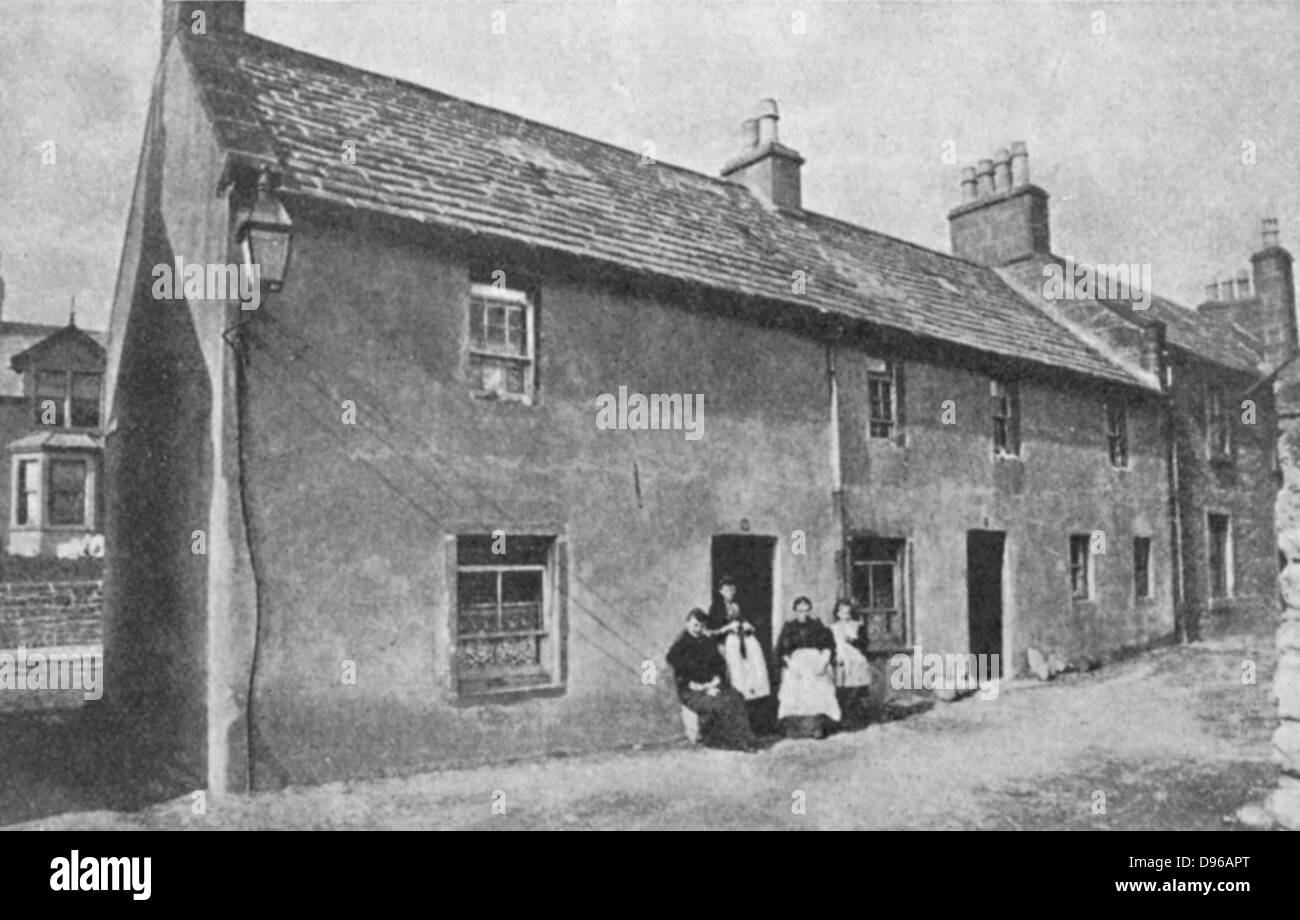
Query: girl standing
x=852 y=670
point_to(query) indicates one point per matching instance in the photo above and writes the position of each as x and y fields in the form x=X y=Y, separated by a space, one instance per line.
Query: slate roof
x=15 y=338
x=1215 y=340
x=444 y=161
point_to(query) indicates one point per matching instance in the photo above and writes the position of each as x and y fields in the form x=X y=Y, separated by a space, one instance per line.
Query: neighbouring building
x=50 y=398
x=1213 y=368
x=377 y=523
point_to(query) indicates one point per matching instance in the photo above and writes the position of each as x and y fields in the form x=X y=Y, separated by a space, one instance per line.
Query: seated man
x=701 y=675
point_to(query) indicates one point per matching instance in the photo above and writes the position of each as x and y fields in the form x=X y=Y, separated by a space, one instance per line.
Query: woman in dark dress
x=702 y=687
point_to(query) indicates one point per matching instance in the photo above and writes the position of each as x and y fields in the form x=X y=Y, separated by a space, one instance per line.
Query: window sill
x=506 y=695
x=1005 y=455
x=494 y=397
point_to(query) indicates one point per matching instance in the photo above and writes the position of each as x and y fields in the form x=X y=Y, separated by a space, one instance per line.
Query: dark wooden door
x=984 y=591
x=749 y=561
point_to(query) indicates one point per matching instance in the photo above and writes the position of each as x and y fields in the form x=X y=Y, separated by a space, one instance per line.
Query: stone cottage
x=376 y=524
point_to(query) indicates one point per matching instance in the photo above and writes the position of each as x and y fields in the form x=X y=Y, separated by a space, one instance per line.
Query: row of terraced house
x=419 y=547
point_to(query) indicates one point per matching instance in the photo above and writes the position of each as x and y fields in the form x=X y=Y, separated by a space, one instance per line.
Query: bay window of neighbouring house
x=1219 y=527
x=506 y=614
x=51 y=492
x=1005 y=396
x=27 y=492
x=502 y=342
x=67 y=506
x=879 y=589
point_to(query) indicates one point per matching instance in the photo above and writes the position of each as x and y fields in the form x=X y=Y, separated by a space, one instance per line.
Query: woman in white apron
x=808 y=706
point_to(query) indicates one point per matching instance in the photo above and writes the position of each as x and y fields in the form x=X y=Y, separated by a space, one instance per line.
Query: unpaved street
x=1172 y=738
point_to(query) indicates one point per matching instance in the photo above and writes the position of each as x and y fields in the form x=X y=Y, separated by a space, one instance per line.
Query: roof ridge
x=715 y=180
x=420 y=87
x=873 y=275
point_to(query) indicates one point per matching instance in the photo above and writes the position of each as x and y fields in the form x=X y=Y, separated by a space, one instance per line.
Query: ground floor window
x=878 y=588
x=1080 y=566
x=1141 y=567
x=1220 y=556
x=506 y=634
x=51 y=491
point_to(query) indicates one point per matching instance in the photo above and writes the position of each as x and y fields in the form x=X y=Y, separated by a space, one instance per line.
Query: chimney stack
x=178 y=16
x=766 y=167
x=1275 y=289
x=1002 y=217
x=1268 y=313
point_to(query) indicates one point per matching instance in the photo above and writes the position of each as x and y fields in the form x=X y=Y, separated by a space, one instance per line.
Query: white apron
x=748 y=674
x=808 y=686
x=851 y=666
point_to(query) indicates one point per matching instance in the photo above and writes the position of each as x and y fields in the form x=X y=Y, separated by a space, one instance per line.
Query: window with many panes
x=506 y=634
x=1080 y=566
x=1218 y=424
x=882 y=395
x=1220 y=555
x=502 y=342
x=879 y=589
x=1141 y=567
x=1005 y=396
x=67 y=399
x=1117 y=432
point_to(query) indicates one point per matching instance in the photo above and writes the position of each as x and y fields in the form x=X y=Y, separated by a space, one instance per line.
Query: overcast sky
x=1136 y=133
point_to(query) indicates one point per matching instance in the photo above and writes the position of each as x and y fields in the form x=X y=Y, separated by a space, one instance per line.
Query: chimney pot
x=985 y=178
x=767 y=119
x=1019 y=164
x=1270 y=232
x=1212 y=291
x=1002 y=171
x=969 y=189
x=1243 y=284
x=749 y=133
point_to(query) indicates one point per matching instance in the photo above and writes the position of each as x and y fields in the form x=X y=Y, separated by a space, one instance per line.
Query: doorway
x=984 y=550
x=749 y=561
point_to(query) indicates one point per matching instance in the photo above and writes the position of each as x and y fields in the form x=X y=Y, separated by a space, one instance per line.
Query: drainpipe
x=837 y=478
x=1175 y=506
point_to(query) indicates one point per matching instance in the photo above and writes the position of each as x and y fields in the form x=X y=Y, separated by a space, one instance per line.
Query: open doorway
x=984 y=550
x=749 y=561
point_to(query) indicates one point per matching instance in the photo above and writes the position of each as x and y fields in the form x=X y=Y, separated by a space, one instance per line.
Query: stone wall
x=44 y=614
x=1284 y=802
